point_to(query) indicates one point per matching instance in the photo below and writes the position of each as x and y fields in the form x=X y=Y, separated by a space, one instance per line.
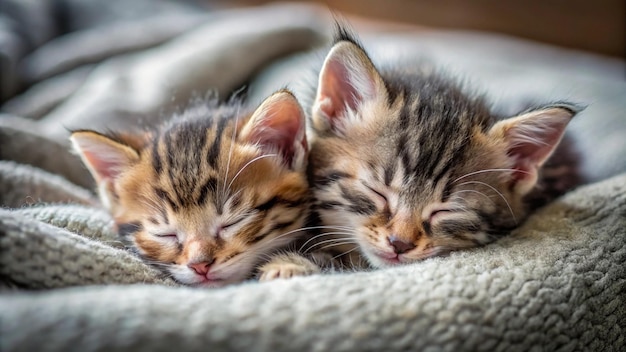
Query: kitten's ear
x=531 y=138
x=104 y=157
x=348 y=79
x=279 y=126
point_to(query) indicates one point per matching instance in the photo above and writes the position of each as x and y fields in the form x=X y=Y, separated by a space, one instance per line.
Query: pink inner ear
x=105 y=168
x=279 y=127
x=336 y=87
x=533 y=143
x=104 y=157
x=528 y=156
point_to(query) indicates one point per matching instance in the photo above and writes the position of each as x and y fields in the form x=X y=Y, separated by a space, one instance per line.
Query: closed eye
x=438 y=214
x=378 y=193
x=232 y=223
x=169 y=235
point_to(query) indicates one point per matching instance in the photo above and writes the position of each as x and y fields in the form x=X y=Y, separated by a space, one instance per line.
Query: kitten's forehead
x=412 y=144
x=190 y=142
x=191 y=155
x=426 y=131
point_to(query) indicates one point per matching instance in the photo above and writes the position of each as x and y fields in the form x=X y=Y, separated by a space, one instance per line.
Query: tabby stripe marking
x=427 y=228
x=329 y=205
x=165 y=196
x=129 y=228
x=196 y=144
x=458 y=228
x=274 y=201
x=259 y=237
x=156 y=158
x=359 y=203
x=170 y=161
x=332 y=177
x=276 y=227
x=425 y=162
x=209 y=185
x=456 y=155
x=406 y=162
x=389 y=171
x=283 y=225
x=405 y=117
x=214 y=150
x=164 y=216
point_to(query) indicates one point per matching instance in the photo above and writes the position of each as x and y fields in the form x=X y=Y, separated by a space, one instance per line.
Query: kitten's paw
x=286 y=266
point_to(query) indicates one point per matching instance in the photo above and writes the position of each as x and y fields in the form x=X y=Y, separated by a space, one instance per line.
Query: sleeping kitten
x=210 y=195
x=414 y=168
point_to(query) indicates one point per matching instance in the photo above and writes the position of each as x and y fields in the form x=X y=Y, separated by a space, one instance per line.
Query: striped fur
x=219 y=187
x=415 y=167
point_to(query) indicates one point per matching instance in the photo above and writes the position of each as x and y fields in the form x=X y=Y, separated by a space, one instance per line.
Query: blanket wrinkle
x=146 y=86
x=44 y=256
x=79 y=48
x=95 y=224
x=24 y=142
x=22 y=184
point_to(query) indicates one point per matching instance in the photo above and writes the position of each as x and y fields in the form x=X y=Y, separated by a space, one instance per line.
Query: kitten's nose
x=400 y=246
x=201 y=268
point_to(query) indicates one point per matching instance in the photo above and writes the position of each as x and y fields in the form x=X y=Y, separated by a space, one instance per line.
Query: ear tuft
x=104 y=157
x=348 y=78
x=279 y=125
x=531 y=138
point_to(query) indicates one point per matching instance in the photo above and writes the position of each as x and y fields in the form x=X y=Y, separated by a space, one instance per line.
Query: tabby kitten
x=211 y=194
x=416 y=168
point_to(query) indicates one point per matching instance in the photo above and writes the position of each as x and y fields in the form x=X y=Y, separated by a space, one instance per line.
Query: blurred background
x=121 y=63
x=597 y=26
x=25 y=25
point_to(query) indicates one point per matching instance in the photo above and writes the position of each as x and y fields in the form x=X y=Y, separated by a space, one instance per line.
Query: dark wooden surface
x=598 y=26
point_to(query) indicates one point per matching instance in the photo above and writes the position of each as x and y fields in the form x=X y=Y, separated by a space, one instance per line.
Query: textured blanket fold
x=37 y=255
x=68 y=284
x=558 y=283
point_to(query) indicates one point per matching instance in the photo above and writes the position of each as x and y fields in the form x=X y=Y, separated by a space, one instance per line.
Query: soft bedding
x=556 y=283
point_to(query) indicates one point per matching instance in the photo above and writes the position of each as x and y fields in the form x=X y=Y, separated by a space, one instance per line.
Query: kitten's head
x=414 y=166
x=209 y=195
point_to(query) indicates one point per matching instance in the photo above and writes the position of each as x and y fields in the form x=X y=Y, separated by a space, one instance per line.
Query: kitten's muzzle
x=399 y=246
x=201 y=268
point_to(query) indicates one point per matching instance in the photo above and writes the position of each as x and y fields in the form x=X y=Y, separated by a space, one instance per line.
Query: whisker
x=248 y=164
x=459 y=207
x=473 y=191
x=155 y=263
x=149 y=204
x=352 y=263
x=322 y=242
x=308 y=228
x=230 y=152
x=487 y=170
x=337 y=244
x=320 y=235
x=495 y=190
x=160 y=265
x=346 y=252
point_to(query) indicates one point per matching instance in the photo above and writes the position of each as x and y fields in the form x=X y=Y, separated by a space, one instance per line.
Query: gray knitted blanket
x=558 y=283
x=67 y=284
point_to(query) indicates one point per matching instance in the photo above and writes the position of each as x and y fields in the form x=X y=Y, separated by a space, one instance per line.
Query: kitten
x=210 y=195
x=413 y=167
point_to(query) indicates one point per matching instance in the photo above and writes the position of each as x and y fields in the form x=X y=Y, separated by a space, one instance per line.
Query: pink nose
x=201 y=268
x=399 y=245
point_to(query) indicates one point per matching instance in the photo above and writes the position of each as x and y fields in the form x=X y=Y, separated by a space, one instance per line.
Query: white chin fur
x=227 y=275
x=374 y=260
